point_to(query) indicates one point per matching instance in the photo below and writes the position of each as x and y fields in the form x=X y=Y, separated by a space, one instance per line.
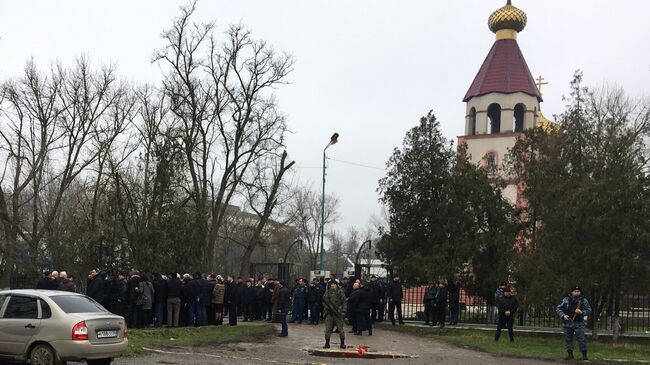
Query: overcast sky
x=365 y=69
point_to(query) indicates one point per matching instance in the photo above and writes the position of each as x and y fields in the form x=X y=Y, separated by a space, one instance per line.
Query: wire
x=358 y=164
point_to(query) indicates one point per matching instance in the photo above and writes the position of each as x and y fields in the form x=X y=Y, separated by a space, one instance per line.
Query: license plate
x=106 y=334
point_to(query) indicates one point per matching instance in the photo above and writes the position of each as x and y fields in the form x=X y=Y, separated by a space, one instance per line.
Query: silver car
x=48 y=327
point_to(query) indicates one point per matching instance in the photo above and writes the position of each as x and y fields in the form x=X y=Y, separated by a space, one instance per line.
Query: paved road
x=295 y=350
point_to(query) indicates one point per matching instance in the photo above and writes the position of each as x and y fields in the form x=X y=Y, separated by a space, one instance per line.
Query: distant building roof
x=503 y=71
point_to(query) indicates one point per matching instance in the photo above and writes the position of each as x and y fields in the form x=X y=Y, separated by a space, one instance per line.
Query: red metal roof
x=504 y=71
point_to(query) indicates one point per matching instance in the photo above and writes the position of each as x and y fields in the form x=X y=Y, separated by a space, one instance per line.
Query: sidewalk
x=541 y=330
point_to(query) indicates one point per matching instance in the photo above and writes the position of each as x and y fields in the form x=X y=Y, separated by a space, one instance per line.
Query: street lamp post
x=357 y=265
x=286 y=254
x=284 y=266
x=333 y=140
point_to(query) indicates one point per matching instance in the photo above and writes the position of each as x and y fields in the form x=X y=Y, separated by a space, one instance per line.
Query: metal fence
x=634 y=314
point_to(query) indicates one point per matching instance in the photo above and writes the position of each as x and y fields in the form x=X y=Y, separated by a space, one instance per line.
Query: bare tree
x=149 y=188
x=337 y=263
x=307 y=210
x=56 y=125
x=352 y=242
x=228 y=115
x=263 y=194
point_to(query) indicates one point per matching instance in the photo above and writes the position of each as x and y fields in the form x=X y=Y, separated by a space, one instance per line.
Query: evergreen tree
x=588 y=200
x=446 y=217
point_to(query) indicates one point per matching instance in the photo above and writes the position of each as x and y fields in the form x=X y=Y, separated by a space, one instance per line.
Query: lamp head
x=334 y=139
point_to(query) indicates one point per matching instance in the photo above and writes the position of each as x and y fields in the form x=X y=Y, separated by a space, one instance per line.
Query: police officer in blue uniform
x=573 y=310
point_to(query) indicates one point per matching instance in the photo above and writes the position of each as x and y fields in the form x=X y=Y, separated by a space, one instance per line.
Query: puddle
x=360 y=352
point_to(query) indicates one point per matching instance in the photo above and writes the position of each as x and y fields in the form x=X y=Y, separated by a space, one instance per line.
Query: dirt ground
x=304 y=337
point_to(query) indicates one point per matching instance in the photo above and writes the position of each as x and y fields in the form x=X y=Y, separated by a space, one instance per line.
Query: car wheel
x=42 y=354
x=100 y=362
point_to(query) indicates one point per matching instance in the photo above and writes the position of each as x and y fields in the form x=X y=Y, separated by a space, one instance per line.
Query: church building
x=503 y=100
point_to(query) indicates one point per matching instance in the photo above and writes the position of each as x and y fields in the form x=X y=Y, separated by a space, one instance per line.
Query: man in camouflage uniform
x=573 y=310
x=335 y=306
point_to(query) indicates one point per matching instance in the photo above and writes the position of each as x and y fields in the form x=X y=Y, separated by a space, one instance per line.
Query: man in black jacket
x=260 y=301
x=159 y=299
x=441 y=304
x=132 y=298
x=118 y=296
x=269 y=285
x=205 y=299
x=381 y=304
x=429 y=304
x=314 y=297
x=231 y=297
x=240 y=287
x=47 y=281
x=184 y=318
x=374 y=298
x=353 y=303
x=361 y=299
x=507 y=305
x=395 y=296
x=284 y=300
x=193 y=301
x=96 y=288
x=454 y=301
x=248 y=301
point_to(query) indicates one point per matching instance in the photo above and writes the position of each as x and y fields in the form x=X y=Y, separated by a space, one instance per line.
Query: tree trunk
x=244 y=266
x=11 y=235
x=269 y=205
x=10 y=257
x=210 y=238
x=597 y=310
x=616 y=327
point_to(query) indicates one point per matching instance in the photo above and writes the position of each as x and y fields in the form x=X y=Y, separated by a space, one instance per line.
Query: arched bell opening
x=494 y=118
x=519 y=116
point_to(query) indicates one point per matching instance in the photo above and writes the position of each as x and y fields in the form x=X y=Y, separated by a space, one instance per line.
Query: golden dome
x=508 y=17
x=547 y=125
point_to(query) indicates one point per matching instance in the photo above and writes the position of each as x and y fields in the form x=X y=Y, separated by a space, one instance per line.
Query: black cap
x=576 y=287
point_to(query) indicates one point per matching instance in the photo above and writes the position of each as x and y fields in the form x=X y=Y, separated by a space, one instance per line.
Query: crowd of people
x=54 y=280
x=152 y=299
x=173 y=300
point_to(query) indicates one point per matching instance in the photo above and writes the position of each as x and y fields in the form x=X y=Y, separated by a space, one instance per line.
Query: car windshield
x=77 y=304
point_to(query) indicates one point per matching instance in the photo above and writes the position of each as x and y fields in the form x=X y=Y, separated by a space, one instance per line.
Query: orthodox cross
x=540 y=81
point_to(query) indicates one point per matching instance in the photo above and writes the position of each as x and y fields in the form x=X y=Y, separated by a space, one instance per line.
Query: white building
x=376 y=268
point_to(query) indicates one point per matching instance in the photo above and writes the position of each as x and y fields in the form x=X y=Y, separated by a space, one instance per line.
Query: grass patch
x=539 y=346
x=188 y=336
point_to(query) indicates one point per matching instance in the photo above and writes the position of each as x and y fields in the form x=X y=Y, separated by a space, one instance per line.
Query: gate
x=283 y=271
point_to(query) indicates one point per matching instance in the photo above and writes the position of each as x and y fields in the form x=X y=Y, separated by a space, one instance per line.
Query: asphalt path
x=295 y=349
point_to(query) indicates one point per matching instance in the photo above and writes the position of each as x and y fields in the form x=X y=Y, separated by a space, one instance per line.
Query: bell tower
x=503 y=100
